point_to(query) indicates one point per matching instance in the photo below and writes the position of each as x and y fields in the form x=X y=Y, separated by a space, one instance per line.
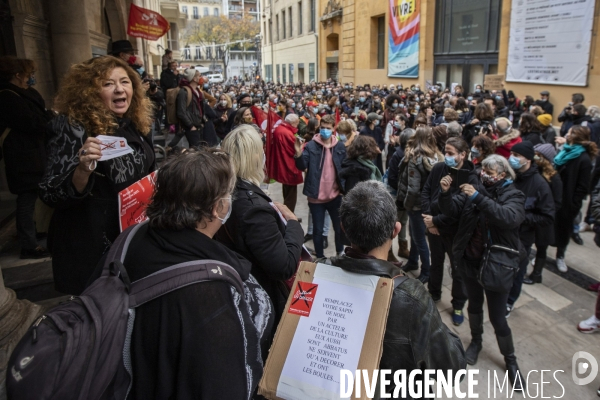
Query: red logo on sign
x=303 y=299
x=122 y=143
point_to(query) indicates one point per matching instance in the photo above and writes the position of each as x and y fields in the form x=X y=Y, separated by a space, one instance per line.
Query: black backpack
x=80 y=349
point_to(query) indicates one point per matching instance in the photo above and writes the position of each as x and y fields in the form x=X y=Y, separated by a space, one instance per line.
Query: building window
x=291 y=30
x=184 y=10
x=381 y=43
x=283 y=73
x=198 y=53
x=187 y=53
x=248 y=57
x=173 y=37
x=300 y=18
x=209 y=53
x=278 y=76
x=313 y=16
x=277 y=34
x=268 y=73
x=206 y=14
x=311 y=72
x=216 y=12
x=291 y=69
x=283 y=19
x=265 y=33
x=195 y=12
x=270 y=32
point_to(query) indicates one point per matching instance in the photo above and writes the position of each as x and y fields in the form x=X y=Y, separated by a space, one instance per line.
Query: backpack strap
x=189 y=95
x=180 y=275
x=118 y=249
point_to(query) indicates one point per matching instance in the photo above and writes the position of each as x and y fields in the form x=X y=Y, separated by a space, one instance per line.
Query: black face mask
x=245 y=104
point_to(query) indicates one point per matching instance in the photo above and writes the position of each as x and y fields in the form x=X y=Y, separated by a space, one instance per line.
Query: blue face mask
x=450 y=161
x=315 y=110
x=205 y=86
x=475 y=152
x=362 y=99
x=514 y=162
x=395 y=105
x=293 y=105
x=498 y=98
x=343 y=138
x=31 y=81
x=376 y=122
x=397 y=125
x=477 y=90
x=470 y=98
x=417 y=108
x=325 y=133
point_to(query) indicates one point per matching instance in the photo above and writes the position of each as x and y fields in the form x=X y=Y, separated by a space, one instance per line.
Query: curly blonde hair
x=79 y=97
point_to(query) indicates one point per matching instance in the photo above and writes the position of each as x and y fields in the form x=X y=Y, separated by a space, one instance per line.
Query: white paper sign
x=113 y=147
x=331 y=337
x=550 y=41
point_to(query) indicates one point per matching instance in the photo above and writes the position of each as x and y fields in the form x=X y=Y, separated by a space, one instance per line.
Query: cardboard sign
x=493 y=82
x=342 y=328
x=134 y=200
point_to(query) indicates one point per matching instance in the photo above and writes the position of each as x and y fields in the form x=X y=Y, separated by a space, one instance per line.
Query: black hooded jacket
x=539 y=203
x=353 y=172
x=431 y=193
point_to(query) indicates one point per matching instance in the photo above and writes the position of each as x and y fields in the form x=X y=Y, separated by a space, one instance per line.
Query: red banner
x=146 y=24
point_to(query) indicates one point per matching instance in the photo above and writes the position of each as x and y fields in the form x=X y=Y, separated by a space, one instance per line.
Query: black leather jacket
x=415 y=336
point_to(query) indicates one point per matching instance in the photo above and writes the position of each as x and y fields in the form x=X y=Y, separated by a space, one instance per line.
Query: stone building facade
x=353 y=40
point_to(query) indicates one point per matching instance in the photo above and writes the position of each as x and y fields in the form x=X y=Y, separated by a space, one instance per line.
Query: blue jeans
x=318 y=216
x=418 y=242
x=325 y=227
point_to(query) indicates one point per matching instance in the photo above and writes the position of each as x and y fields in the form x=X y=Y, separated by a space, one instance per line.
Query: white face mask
x=224 y=103
x=224 y=219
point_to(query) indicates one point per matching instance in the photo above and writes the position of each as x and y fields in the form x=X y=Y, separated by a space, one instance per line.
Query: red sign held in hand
x=303 y=299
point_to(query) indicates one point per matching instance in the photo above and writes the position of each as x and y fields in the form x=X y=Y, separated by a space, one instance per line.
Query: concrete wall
x=295 y=49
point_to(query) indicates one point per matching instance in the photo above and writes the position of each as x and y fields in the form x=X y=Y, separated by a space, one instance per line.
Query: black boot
x=507 y=349
x=476 y=324
x=536 y=275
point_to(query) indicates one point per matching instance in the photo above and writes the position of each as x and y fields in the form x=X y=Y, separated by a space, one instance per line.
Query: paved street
x=543 y=323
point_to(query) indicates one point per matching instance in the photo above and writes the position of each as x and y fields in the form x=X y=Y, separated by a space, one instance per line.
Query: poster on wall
x=550 y=41
x=404 y=26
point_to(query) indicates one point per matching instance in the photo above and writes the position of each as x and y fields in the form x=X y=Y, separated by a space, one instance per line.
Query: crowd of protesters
x=446 y=172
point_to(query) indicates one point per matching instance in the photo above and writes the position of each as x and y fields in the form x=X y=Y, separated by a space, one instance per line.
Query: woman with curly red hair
x=101 y=96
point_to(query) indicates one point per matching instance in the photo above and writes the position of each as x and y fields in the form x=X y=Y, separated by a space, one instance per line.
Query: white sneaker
x=590 y=325
x=560 y=264
x=584 y=226
x=533 y=262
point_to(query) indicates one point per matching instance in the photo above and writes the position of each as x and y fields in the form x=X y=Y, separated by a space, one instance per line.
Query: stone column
x=70 y=35
x=15 y=318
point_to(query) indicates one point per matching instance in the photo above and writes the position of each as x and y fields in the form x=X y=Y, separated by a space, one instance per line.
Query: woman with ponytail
x=574 y=164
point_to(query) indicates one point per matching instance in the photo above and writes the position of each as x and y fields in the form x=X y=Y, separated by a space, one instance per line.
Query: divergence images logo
x=303 y=299
x=581 y=367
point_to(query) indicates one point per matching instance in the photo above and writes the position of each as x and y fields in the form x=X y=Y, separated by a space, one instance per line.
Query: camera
x=484 y=127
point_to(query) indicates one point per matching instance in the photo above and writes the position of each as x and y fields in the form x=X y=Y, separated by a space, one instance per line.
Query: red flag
x=338 y=117
x=146 y=24
x=267 y=123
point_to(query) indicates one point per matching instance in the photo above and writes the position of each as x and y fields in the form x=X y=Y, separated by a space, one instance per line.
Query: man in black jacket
x=544 y=102
x=169 y=78
x=442 y=229
x=415 y=336
x=539 y=207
